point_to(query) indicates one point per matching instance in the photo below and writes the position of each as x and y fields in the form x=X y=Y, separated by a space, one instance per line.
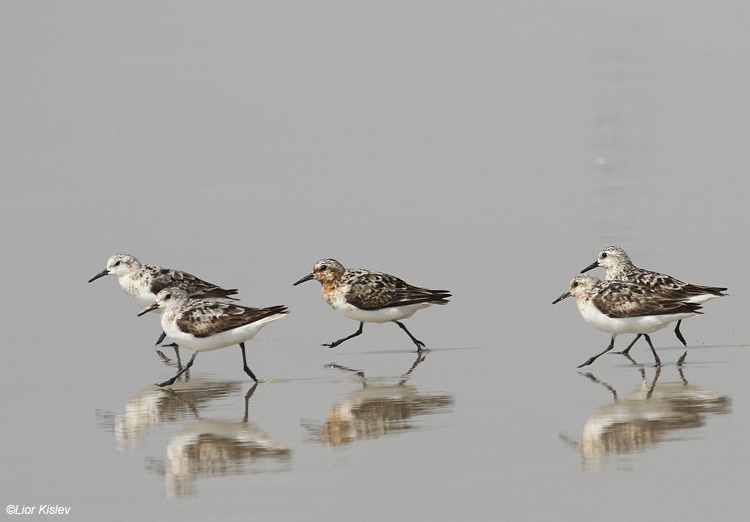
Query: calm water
x=491 y=150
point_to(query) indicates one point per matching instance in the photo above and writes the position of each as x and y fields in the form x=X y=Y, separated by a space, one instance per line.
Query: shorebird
x=142 y=282
x=620 y=307
x=375 y=297
x=207 y=324
x=620 y=268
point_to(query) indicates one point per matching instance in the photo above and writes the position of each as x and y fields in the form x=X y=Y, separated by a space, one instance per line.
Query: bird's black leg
x=656 y=357
x=626 y=350
x=678 y=333
x=416 y=341
x=160 y=339
x=595 y=357
x=171 y=381
x=334 y=344
x=244 y=363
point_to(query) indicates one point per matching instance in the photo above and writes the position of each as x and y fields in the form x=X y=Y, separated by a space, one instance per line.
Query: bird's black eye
x=324 y=267
x=117 y=263
x=604 y=254
x=168 y=296
x=575 y=283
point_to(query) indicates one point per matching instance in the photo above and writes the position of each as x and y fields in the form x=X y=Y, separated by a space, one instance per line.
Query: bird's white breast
x=136 y=291
x=382 y=315
x=216 y=341
x=643 y=324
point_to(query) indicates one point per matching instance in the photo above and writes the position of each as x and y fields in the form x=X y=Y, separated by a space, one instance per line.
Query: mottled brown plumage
x=209 y=324
x=368 y=296
x=622 y=299
x=620 y=307
x=374 y=290
x=204 y=318
x=619 y=267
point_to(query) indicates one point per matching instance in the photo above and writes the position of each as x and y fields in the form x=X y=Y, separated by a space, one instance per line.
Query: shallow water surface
x=489 y=150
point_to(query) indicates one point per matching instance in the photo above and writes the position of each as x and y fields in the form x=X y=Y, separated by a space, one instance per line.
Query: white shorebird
x=374 y=297
x=142 y=282
x=620 y=268
x=620 y=307
x=203 y=325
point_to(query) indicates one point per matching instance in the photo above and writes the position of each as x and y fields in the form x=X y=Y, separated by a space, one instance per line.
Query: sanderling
x=375 y=297
x=206 y=324
x=620 y=268
x=142 y=282
x=620 y=307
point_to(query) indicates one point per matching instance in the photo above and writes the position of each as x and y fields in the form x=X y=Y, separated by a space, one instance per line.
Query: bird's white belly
x=216 y=341
x=383 y=315
x=643 y=324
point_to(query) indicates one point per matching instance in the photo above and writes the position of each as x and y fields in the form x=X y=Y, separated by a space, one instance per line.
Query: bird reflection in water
x=378 y=409
x=218 y=447
x=154 y=406
x=644 y=417
x=205 y=447
x=176 y=363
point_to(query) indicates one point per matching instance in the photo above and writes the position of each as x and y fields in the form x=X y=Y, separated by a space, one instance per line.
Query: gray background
x=491 y=149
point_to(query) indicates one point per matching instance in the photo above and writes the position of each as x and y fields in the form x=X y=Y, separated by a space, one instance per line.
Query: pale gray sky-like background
x=491 y=149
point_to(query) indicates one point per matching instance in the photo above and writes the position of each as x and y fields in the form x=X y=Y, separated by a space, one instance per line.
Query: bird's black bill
x=590 y=267
x=100 y=274
x=306 y=278
x=566 y=294
x=147 y=310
